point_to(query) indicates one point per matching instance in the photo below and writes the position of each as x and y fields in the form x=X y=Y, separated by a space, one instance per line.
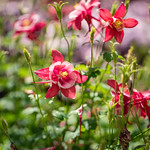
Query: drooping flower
x=140 y=100
x=62 y=76
x=83 y=11
x=29 y=24
x=116 y=23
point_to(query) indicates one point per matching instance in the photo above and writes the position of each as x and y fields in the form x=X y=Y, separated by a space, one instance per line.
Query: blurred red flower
x=116 y=23
x=62 y=76
x=139 y=100
x=29 y=24
x=82 y=11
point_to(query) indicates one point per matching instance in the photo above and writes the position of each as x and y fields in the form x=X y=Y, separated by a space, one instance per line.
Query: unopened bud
x=92 y=32
x=4 y=125
x=27 y=55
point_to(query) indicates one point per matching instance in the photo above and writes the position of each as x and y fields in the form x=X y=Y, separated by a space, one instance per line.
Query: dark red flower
x=139 y=99
x=62 y=76
x=29 y=24
x=83 y=11
x=116 y=23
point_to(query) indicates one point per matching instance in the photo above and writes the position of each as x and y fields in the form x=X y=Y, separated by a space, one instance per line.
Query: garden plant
x=66 y=83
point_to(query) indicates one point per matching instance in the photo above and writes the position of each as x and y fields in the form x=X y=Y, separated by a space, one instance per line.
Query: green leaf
x=71 y=135
x=139 y=147
x=59 y=115
x=108 y=56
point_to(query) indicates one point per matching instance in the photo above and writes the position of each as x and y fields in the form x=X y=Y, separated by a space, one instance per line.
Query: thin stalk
x=37 y=100
x=91 y=54
x=63 y=33
x=137 y=119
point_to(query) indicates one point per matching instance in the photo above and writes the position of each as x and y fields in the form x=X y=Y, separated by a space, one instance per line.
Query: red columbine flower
x=62 y=76
x=116 y=23
x=29 y=24
x=83 y=11
x=139 y=99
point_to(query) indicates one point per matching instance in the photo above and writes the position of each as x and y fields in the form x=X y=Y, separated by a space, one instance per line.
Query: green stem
x=38 y=101
x=63 y=33
x=91 y=54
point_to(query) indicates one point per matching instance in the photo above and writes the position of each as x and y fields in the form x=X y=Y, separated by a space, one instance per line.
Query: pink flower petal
x=43 y=73
x=68 y=81
x=121 y=11
x=111 y=83
x=51 y=68
x=109 y=33
x=70 y=93
x=119 y=36
x=67 y=67
x=105 y=14
x=40 y=25
x=80 y=78
x=52 y=91
x=43 y=82
x=146 y=93
x=57 y=56
x=130 y=23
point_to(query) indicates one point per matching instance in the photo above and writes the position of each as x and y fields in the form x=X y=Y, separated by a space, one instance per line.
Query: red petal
x=43 y=82
x=105 y=14
x=130 y=23
x=57 y=56
x=43 y=73
x=70 y=24
x=52 y=91
x=80 y=78
x=77 y=23
x=70 y=93
x=109 y=33
x=119 y=36
x=111 y=83
x=40 y=25
x=121 y=11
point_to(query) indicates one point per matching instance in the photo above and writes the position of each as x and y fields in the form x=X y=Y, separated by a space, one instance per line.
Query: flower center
x=63 y=73
x=118 y=25
x=26 y=22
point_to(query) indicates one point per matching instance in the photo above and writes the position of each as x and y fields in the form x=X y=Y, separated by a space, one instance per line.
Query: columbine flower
x=139 y=99
x=116 y=23
x=62 y=76
x=83 y=11
x=29 y=24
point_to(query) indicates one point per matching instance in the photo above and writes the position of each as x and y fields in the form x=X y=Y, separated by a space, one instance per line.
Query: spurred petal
x=70 y=23
x=70 y=93
x=121 y=11
x=68 y=81
x=43 y=73
x=105 y=14
x=77 y=23
x=111 y=83
x=40 y=25
x=57 y=56
x=80 y=78
x=119 y=36
x=52 y=91
x=130 y=23
x=109 y=33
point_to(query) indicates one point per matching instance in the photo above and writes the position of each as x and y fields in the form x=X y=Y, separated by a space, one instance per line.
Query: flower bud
x=27 y=55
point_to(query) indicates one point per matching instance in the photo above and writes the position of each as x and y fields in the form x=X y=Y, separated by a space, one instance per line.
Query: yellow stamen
x=63 y=74
x=26 y=22
x=117 y=24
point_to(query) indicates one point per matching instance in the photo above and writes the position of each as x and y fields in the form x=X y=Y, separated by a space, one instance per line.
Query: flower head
x=62 y=76
x=29 y=24
x=116 y=23
x=83 y=11
x=139 y=99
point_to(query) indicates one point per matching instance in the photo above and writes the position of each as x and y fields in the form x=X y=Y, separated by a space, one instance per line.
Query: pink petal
x=43 y=73
x=70 y=93
x=67 y=67
x=146 y=94
x=80 y=78
x=105 y=14
x=51 y=68
x=109 y=33
x=52 y=91
x=121 y=11
x=77 y=23
x=57 y=56
x=70 y=23
x=111 y=83
x=130 y=23
x=43 y=82
x=68 y=81
x=40 y=25
x=119 y=36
